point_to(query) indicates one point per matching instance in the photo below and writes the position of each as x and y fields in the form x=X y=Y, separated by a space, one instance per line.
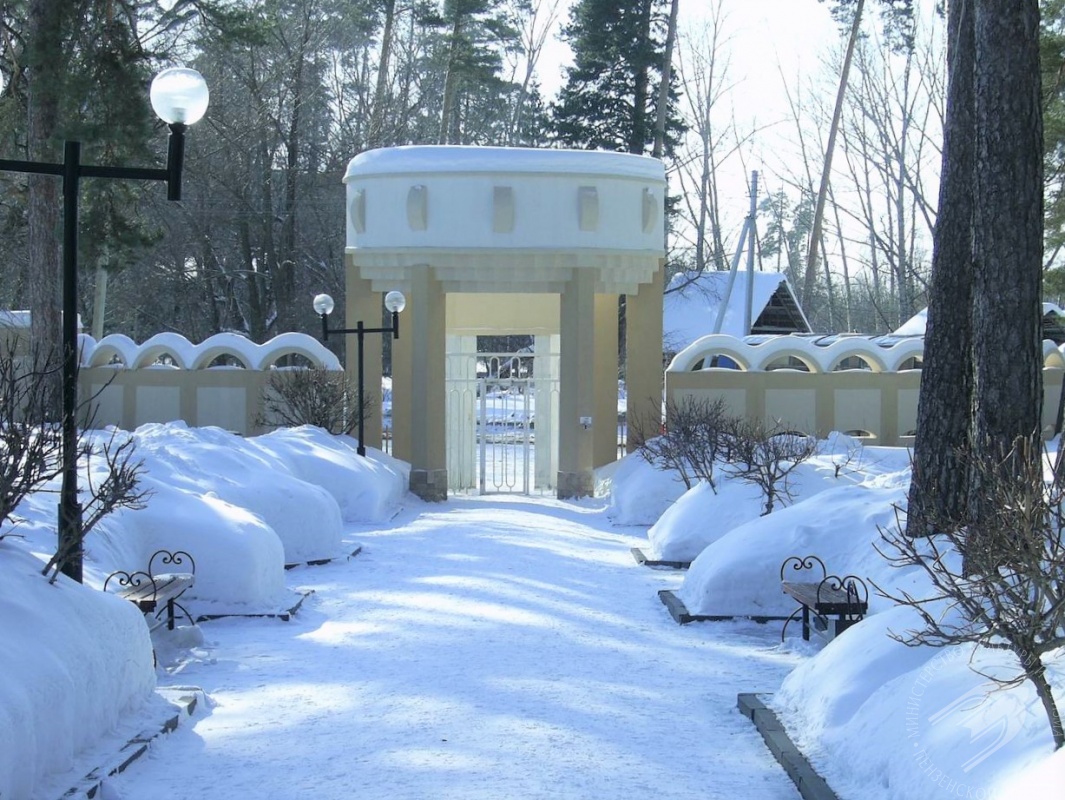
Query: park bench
x=846 y=598
x=154 y=591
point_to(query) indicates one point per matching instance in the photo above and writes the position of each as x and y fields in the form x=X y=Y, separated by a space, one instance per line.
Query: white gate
x=502 y=412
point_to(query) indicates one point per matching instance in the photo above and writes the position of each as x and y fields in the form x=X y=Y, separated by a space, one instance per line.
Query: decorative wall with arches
x=865 y=386
x=221 y=381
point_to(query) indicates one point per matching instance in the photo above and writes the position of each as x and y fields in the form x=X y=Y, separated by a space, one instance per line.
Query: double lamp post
x=179 y=97
x=394 y=302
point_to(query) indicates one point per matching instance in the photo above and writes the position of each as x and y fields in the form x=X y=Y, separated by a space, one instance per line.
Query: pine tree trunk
x=1007 y=232
x=375 y=136
x=662 y=111
x=451 y=79
x=810 y=279
x=940 y=484
x=639 y=135
x=46 y=18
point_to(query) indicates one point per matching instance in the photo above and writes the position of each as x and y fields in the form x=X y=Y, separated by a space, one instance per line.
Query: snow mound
x=639 y=493
x=704 y=514
x=74 y=661
x=365 y=489
x=917 y=721
x=304 y=517
x=739 y=574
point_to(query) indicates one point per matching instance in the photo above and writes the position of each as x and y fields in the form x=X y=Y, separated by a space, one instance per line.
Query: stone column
x=423 y=338
x=546 y=349
x=605 y=424
x=363 y=303
x=643 y=356
x=462 y=410
x=577 y=394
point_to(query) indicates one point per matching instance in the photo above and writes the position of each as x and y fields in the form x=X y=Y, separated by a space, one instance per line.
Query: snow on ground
x=495 y=647
x=879 y=720
x=492 y=647
x=75 y=661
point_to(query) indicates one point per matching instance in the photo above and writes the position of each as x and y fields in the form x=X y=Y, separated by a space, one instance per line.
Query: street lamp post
x=394 y=302
x=179 y=97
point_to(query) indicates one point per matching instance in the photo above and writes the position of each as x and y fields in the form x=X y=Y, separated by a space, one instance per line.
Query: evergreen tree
x=474 y=33
x=611 y=93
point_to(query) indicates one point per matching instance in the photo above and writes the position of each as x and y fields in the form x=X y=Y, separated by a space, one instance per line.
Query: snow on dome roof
x=420 y=159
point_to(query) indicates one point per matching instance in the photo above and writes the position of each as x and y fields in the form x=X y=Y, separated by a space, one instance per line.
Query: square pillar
x=546 y=370
x=577 y=393
x=418 y=392
x=643 y=357
x=363 y=303
x=462 y=411
x=605 y=421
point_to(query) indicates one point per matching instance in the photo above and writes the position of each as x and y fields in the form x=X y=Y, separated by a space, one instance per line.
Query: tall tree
x=940 y=488
x=1007 y=232
x=991 y=202
x=1052 y=58
x=46 y=23
x=810 y=278
x=609 y=100
x=897 y=17
x=706 y=84
x=474 y=32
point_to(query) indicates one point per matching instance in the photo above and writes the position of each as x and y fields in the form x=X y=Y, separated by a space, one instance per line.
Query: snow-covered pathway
x=493 y=648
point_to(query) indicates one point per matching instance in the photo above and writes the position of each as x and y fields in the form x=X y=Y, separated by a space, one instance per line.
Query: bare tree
x=1011 y=593
x=535 y=24
x=767 y=456
x=120 y=488
x=325 y=398
x=886 y=137
x=702 y=67
x=29 y=449
x=696 y=439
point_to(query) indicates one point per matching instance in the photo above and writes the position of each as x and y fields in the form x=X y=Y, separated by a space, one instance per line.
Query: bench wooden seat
x=156 y=593
x=846 y=598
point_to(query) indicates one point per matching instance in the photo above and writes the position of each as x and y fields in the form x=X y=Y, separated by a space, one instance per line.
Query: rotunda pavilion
x=498 y=241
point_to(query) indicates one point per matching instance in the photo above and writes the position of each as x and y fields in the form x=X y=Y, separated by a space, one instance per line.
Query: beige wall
x=226 y=398
x=127 y=395
x=883 y=404
x=495 y=314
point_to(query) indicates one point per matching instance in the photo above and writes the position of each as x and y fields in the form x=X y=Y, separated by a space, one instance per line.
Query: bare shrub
x=766 y=456
x=1011 y=591
x=692 y=444
x=325 y=398
x=120 y=488
x=31 y=449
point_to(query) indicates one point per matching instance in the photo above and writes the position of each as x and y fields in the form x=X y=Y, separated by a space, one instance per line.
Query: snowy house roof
x=691 y=312
x=1053 y=315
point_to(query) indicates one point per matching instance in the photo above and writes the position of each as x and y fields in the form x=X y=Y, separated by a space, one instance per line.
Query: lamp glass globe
x=179 y=95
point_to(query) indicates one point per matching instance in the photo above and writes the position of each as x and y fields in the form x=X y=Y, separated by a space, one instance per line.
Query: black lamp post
x=179 y=96
x=394 y=302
